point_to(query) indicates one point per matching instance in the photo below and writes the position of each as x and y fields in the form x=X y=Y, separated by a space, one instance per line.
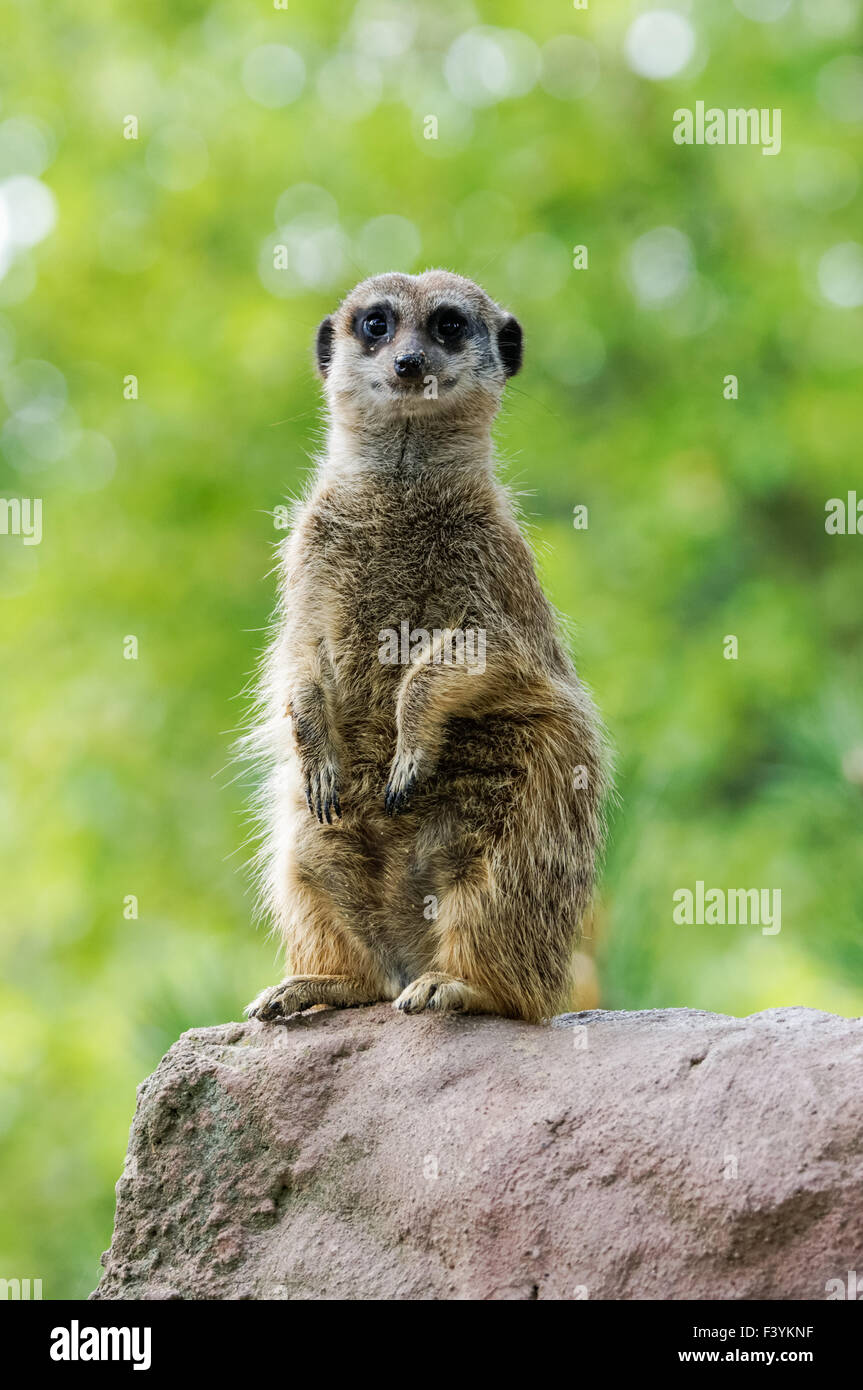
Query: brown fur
x=469 y=894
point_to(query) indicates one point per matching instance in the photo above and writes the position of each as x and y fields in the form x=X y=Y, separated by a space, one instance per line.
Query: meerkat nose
x=410 y=364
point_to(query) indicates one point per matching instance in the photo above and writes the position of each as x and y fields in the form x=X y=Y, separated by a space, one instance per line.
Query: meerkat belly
x=385 y=591
x=388 y=591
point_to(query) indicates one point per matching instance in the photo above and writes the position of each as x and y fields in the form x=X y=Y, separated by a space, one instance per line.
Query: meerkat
x=432 y=818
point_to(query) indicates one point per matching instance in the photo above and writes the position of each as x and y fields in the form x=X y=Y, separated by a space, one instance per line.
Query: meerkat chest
x=396 y=558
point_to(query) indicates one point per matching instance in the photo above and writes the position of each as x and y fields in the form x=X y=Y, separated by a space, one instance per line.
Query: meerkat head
x=416 y=345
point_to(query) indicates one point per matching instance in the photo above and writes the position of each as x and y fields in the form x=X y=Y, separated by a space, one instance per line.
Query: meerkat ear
x=509 y=345
x=324 y=345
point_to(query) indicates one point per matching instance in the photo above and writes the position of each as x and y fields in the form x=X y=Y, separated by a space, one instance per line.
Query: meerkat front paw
x=404 y=775
x=299 y=992
x=280 y=1001
x=276 y=1002
x=323 y=786
x=439 y=993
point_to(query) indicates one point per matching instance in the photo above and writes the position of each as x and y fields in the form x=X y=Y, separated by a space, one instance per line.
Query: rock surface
x=368 y=1155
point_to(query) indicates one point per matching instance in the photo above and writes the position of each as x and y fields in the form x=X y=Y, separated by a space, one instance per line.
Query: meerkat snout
x=410 y=365
x=402 y=345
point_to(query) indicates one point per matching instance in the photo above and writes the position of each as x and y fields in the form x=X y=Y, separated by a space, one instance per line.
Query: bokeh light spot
x=26 y=147
x=840 y=275
x=34 y=390
x=30 y=210
x=659 y=265
x=273 y=75
x=659 y=44
x=349 y=86
x=840 y=88
x=486 y=65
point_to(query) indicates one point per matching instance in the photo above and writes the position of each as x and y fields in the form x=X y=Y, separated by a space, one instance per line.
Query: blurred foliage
x=706 y=514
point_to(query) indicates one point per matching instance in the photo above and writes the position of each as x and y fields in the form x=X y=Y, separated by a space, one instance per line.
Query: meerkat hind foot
x=300 y=992
x=440 y=993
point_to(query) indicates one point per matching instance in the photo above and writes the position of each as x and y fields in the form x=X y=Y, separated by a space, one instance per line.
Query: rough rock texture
x=365 y=1154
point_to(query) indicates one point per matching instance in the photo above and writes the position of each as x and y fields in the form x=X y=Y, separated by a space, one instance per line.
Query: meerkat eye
x=451 y=325
x=375 y=325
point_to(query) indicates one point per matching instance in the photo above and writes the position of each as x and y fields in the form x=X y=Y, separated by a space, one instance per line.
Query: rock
x=668 y=1154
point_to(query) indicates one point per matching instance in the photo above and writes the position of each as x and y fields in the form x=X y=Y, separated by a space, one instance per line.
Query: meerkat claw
x=403 y=779
x=322 y=794
x=279 y=1002
x=437 y=993
x=266 y=1006
x=394 y=800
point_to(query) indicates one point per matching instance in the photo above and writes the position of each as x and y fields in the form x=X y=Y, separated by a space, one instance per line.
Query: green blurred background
x=153 y=258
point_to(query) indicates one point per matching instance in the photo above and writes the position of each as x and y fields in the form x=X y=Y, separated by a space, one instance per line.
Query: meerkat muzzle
x=410 y=366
